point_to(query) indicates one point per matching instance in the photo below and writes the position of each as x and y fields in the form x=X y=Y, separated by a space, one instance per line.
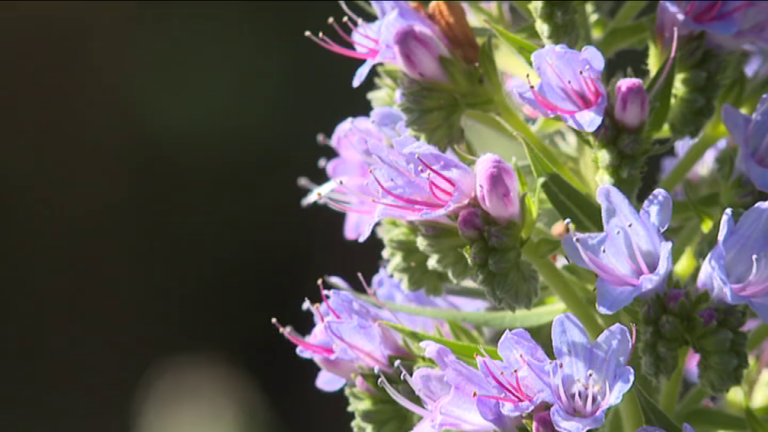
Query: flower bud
x=470 y=224
x=542 y=422
x=452 y=21
x=497 y=188
x=418 y=52
x=631 y=105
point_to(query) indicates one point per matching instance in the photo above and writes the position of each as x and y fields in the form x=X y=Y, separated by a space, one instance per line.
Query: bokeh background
x=152 y=222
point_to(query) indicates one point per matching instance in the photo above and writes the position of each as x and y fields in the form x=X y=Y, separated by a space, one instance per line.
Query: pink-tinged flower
x=691 y=368
x=448 y=396
x=750 y=134
x=384 y=172
x=374 y=42
x=736 y=270
x=349 y=335
x=497 y=188
x=631 y=106
x=570 y=86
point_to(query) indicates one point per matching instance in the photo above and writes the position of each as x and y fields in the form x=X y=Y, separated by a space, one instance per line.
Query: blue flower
x=736 y=270
x=716 y=17
x=570 y=86
x=376 y=42
x=751 y=135
x=630 y=258
x=587 y=378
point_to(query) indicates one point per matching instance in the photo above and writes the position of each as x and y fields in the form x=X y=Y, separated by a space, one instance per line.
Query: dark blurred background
x=151 y=152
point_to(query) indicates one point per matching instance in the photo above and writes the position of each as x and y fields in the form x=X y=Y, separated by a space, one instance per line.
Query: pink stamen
x=325 y=299
x=288 y=333
x=395 y=206
x=355 y=30
x=432 y=187
x=737 y=9
x=333 y=47
x=440 y=188
x=436 y=172
x=498 y=398
x=403 y=198
x=508 y=387
x=709 y=11
x=372 y=358
x=576 y=97
x=545 y=103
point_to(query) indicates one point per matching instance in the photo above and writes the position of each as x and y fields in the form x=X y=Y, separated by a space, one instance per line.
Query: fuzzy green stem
x=567 y=293
x=464 y=291
x=685 y=164
x=670 y=389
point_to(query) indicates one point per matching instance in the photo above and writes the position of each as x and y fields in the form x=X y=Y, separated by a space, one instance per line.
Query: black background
x=150 y=152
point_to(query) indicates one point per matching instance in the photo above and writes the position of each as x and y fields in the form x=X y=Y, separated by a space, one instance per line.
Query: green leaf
x=622 y=37
x=654 y=416
x=660 y=101
x=522 y=46
x=495 y=319
x=626 y=14
x=709 y=418
x=464 y=350
x=461 y=333
x=753 y=422
x=572 y=204
x=486 y=133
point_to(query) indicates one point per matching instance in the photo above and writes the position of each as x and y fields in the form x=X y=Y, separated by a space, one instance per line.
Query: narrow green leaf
x=522 y=46
x=709 y=418
x=754 y=424
x=653 y=415
x=494 y=319
x=461 y=333
x=461 y=349
x=626 y=13
x=660 y=100
x=487 y=134
x=572 y=204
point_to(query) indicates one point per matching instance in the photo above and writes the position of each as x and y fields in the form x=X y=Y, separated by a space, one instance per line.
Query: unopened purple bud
x=631 y=106
x=674 y=296
x=470 y=223
x=418 y=52
x=708 y=315
x=497 y=188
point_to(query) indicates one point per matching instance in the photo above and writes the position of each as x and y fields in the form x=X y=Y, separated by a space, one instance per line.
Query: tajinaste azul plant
x=505 y=137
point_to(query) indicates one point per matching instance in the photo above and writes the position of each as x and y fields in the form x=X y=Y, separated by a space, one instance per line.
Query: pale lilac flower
x=691 y=369
x=447 y=396
x=570 y=86
x=631 y=257
x=751 y=135
x=542 y=422
x=703 y=168
x=497 y=188
x=736 y=270
x=631 y=106
x=384 y=172
x=587 y=378
x=374 y=42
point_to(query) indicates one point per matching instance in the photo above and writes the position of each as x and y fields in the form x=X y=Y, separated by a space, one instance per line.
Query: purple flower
x=751 y=135
x=570 y=86
x=703 y=168
x=418 y=52
x=447 y=396
x=631 y=106
x=348 y=334
x=587 y=378
x=736 y=270
x=375 y=42
x=384 y=172
x=497 y=188
x=542 y=422
x=631 y=258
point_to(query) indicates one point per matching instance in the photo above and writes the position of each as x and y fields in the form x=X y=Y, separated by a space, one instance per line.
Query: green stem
x=685 y=164
x=570 y=296
x=670 y=389
x=631 y=416
x=464 y=291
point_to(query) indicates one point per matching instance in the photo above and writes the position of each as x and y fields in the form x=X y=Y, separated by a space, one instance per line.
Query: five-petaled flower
x=631 y=257
x=570 y=86
x=736 y=270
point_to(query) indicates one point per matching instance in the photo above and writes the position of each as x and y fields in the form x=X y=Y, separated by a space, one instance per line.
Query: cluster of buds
x=679 y=318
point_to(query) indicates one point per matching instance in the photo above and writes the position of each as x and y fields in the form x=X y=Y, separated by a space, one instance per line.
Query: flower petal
x=612 y=298
x=565 y=422
x=736 y=123
x=657 y=209
x=329 y=382
x=570 y=339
